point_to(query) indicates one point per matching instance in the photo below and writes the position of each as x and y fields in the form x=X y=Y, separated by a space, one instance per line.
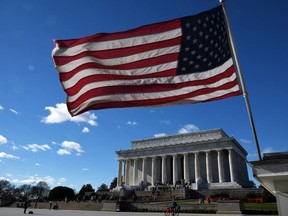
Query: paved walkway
x=46 y=212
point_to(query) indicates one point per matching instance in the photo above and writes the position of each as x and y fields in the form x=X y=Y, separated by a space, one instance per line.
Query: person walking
x=25 y=206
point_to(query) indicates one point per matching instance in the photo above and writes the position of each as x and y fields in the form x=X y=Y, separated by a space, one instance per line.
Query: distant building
x=205 y=159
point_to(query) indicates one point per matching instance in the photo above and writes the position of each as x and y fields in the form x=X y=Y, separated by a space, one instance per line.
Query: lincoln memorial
x=206 y=159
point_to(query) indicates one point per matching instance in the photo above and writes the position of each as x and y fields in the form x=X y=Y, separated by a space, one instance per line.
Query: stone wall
x=5 y=202
x=161 y=207
x=232 y=193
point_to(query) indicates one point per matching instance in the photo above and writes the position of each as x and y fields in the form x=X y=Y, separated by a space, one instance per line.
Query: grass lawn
x=188 y=201
x=261 y=206
x=250 y=208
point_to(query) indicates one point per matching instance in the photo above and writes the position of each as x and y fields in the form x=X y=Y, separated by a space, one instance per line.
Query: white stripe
x=117 y=43
x=123 y=98
x=154 y=95
x=118 y=61
x=148 y=81
x=91 y=71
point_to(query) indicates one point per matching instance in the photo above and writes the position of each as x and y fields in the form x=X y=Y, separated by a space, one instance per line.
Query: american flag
x=185 y=60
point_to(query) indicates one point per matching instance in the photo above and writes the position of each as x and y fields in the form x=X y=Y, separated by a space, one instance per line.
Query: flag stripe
x=120 y=52
x=121 y=60
x=162 y=27
x=203 y=95
x=152 y=86
x=119 y=43
x=173 y=81
x=88 y=77
x=158 y=64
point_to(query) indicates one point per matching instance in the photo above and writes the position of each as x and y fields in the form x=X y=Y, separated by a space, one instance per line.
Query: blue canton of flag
x=204 y=42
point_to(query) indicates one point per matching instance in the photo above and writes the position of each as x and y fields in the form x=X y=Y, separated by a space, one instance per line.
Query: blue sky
x=39 y=141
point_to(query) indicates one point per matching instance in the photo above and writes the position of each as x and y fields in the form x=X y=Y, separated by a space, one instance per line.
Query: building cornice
x=178 y=139
x=210 y=140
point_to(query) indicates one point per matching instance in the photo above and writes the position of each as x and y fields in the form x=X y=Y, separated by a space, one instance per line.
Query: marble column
x=175 y=169
x=208 y=168
x=197 y=167
x=119 y=178
x=126 y=172
x=153 y=179
x=220 y=166
x=164 y=169
x=186 y=168
x=135 y=171
x=144 y=170
x=231 y=165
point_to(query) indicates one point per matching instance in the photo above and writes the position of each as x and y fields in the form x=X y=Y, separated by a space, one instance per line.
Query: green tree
x=102 y=188
x=61 y=192
x=86 y=189
x=113 y=183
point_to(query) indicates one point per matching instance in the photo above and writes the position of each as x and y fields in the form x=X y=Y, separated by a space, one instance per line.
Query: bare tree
x=40 y=191
x=7 y=190
x=24 y=192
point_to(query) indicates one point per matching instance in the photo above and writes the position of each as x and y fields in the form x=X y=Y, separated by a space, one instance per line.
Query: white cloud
x=3 y=140
x=14 y=147
x=245 y=141
x=60 y=114
x=36 y=147
x=85 y=130
x=14 y=111
x=268 y=150
x=1 y=107
x=63 y=152
x=252 y=155
x=85 y=169
x=68 y=147
x=8 y=156
x=131 y=123
x=62 y=179
x=33 y=180
x=188 y=128
x=37 y=164
x=160 y=135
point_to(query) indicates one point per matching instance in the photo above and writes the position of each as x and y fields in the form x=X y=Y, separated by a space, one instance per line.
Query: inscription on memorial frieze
x=179 y=139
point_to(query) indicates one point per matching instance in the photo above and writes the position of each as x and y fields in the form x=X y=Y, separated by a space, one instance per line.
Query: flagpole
x=245 y=94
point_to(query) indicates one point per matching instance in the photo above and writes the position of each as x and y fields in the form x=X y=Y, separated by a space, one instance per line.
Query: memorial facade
x=205 y=159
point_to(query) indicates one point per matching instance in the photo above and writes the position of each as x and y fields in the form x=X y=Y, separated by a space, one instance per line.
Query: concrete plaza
x=47 y=212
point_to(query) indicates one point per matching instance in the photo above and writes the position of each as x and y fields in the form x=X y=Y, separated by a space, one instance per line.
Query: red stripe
x=140 y=31
x=107 y=77
x=116 y=53
x=110 y=90
x=153 y=102
x=129 y=66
